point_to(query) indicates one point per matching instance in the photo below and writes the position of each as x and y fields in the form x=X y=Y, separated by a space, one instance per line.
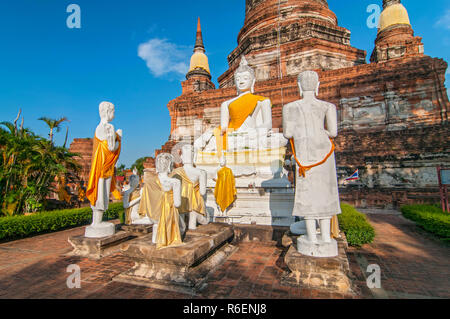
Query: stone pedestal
x=331 y=274
x=137 y=230
x=317 y=249
x=183 y=268
x=96 y=248
x=101 y=230
x=271 y=206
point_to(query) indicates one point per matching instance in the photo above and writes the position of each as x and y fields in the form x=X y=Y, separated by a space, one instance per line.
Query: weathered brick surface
x=413 y=265
x=83 y=147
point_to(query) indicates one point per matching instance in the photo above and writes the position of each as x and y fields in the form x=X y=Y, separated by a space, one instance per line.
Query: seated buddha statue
x=246 y=120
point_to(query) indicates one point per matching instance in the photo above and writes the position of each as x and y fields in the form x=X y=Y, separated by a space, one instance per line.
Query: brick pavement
x=413 y=265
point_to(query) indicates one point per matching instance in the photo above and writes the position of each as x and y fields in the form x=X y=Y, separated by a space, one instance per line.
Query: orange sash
x=225 y=191
x=240 y=110
x=103 y=164
x=303 y=169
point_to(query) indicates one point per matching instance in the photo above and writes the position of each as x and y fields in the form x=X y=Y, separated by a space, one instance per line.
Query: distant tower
x=395 y=37
x=199 y=76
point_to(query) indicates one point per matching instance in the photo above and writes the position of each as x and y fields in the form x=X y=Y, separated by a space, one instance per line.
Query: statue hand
x=120 y=132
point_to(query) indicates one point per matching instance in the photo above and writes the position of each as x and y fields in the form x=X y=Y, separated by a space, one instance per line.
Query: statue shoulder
x=330 y=106
x=104 y=130
x=265 y=101
x=291 y=105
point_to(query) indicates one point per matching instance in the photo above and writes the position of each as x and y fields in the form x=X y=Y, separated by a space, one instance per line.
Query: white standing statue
x=131 y=200
x=193 y=190
x=317 y=196
x=102 y=182
x=161 y=195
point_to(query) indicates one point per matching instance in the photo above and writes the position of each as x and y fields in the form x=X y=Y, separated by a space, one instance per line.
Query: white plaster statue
x=255 y=133
x=164 y=164
x=317 y=196
x=196 y=180
x=131 y=202
x=107 y=144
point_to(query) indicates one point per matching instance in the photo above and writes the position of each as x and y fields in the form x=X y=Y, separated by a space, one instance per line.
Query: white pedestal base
x=259 y=206
x=142 y=221
x=99 y=231
x=317 y=249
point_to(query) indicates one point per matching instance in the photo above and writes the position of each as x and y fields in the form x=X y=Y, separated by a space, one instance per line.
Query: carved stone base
x=318 y=249
x=96 y=248
x=331 y=274
x=99 y=231
x=184 y=268
x=137 y=230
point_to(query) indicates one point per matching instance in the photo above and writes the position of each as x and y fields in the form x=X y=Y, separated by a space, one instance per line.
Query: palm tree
x=28 y=167
x=53 y=125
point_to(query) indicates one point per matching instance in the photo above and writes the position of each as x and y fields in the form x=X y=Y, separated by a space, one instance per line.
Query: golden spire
x=199 y=60
x=394 y=13
x=199 y=41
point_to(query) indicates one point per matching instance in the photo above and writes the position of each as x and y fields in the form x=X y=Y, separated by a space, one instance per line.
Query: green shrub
x=356 y=227
x=431 y=218
x=16 y=227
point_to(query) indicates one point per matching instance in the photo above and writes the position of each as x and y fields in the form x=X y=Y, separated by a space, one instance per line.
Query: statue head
x=187 y=154
x=244 y=77
x=107 y=110
x=134 y=181
x=164 y=162
x=308 y=81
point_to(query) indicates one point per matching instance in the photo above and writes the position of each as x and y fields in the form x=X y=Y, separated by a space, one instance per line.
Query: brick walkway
x=413 y=265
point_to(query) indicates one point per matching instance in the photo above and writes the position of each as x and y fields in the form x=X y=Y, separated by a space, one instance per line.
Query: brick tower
x=395 y=37
x=284 y=38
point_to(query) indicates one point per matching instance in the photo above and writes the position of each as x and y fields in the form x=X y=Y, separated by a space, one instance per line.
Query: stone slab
x=184 y=268
x=137 y=230
x=97 y=248
x=331 y=274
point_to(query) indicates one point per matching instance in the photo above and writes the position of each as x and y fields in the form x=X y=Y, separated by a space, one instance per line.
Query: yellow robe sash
x=239 y=110
x=158 y=205
x=191 y=200
x=135 y=194
x=225 y=191
x=335 y=231
x=102 y=166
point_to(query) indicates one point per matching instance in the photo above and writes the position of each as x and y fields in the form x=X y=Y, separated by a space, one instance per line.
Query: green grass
x=430 y=218
x=17 y=227
x=355 y=226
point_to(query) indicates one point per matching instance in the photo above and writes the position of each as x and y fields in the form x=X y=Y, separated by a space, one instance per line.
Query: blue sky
x=47 y=69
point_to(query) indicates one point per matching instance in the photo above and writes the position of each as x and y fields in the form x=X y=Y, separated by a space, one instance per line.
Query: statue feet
x=318 y=248
x=142 y=221
x=196 y=218
x=100 y=230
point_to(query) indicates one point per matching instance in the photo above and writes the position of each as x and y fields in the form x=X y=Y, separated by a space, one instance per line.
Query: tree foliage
x=29 y=165
x=139 y=165
x=53 y=125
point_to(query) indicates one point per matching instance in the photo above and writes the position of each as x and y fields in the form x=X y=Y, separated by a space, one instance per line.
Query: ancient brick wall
x=83 y=147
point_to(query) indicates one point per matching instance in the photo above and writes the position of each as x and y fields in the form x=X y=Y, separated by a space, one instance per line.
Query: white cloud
x=163 y=57
x=444 y=21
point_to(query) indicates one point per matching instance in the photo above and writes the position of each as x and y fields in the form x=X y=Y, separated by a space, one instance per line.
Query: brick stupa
x=393 y=112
